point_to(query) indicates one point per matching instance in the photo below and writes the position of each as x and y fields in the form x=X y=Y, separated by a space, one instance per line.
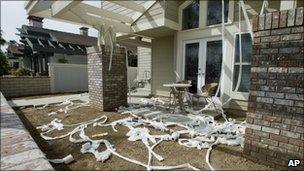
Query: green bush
x=21 y=72
x=63 y=61
x=4 y=65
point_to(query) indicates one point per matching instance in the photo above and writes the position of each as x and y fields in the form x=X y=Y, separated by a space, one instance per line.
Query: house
x=189 y=38
x=45 y=46
x=42 y=46
x=14 y=54
x=186 y=38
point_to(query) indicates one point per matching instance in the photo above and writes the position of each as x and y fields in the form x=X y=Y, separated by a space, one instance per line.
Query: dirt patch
x=173 y=153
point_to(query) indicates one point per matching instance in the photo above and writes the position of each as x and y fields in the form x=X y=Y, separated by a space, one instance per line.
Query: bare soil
x=222 y=157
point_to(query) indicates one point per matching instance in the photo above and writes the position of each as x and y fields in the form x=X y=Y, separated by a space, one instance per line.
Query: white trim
x=104 y=13
x=203 y=16
x=180 y=14
x=60 y=7
x=236 y=94
x=202 y=58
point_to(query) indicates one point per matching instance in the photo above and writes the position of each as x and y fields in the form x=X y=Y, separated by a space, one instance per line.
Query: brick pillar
x=107 y=89
x=275 y=113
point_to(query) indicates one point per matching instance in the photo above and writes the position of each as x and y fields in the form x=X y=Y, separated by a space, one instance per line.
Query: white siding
x=144 y=63
x=153 y=18
x=171 y=11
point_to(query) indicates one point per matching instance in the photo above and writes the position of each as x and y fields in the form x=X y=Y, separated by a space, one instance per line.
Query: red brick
x=279 y=138
x=283 y=19
x=296 y=142
x=255 y=23
x=248 y=131
x=249 y=120
x=275 y=19
x=272 y=118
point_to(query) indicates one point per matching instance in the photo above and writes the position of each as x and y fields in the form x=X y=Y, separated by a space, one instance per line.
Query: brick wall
x=24 y=86
x=107 y=89
x=275 y=113
x=18 y=149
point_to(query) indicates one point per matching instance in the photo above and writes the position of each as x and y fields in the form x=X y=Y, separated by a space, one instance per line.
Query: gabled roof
x=52 y=41
x=60 y=36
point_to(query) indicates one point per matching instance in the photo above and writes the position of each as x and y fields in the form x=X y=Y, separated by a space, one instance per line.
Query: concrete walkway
x=18 y=149
x=48 y=100
x=59 y=99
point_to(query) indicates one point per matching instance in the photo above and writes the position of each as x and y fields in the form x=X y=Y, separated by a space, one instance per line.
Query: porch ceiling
x=118 y=14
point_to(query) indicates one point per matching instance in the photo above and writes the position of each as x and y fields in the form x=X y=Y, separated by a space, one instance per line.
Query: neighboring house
x=50 y=46
x=44 y=46
x=15 y=54
x=186 y=37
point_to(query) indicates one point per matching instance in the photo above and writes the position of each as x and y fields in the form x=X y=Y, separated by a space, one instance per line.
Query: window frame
x=238 y=94
x=206 y=13
x=181 y=10
x=203 y=15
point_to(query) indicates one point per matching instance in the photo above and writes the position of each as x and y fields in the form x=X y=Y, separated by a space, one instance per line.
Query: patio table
x=179 y=91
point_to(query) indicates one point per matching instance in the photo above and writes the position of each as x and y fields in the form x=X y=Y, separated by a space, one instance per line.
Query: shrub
x=4 y=65
x=64 y=61
x=21 y=72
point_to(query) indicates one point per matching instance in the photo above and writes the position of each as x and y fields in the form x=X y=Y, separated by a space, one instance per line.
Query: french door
x=202 y=62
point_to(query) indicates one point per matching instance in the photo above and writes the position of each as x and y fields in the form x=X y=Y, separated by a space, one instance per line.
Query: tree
x=2 y=41
x=4 y=65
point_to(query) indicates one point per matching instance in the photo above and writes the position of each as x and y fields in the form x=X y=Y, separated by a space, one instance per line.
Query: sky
x=13 y=15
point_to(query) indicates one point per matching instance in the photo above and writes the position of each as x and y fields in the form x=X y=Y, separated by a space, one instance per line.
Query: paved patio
x=18 y=149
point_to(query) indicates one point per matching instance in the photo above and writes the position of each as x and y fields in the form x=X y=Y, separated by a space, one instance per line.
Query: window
x=191 y=16
x=245 y=64
x=214 y=11
x=191 y=64
x=132 y=59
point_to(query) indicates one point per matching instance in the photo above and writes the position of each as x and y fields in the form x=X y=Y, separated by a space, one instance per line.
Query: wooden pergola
x=117 y=15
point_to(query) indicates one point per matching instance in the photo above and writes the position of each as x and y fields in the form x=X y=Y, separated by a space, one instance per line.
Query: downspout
x=129 y=92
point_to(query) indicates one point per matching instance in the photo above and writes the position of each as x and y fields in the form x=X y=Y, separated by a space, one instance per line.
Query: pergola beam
x=104 y=13
x=60 y=7
x=96 y=21
x=131 y=5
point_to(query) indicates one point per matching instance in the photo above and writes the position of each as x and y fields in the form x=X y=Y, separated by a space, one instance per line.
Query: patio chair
x=173 y=98
x=206 y=93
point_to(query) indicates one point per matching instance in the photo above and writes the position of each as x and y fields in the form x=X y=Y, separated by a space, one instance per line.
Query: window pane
x=214 y=61
x=246 y=48
x=191 y=67
x=245 y=78
x=191 y=16
x=214 y=11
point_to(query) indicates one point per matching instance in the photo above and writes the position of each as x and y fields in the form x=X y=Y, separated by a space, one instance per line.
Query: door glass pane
x=191 y=16
x=246 y=48
x=245 y=78
x=213 y=62
x=214 y=12
x=191 y=64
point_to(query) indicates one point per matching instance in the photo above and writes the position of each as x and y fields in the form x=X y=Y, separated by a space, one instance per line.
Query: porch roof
x=121 y=15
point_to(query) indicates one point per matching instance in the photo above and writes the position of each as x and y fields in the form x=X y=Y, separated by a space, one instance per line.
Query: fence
x=68 y=77
x=24 y=86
